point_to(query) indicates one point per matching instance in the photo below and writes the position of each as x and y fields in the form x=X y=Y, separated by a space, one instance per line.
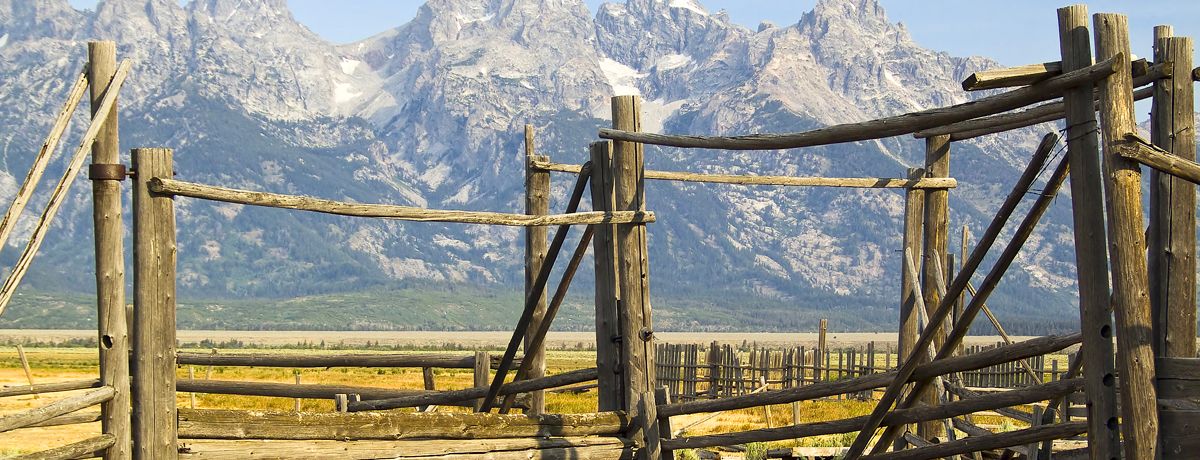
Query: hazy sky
x=1011 y=31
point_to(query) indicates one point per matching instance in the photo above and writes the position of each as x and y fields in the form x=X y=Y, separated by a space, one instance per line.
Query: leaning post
x=1091 y=244
x=1172 y=234
x=937 y=241
x=636 y=326
x=155 y=434
x=106 y=173
x=610 y=390
x=1127 y=247
x=537 y=201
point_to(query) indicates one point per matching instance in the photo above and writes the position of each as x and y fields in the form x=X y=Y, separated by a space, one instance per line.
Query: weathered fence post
x=1172 y=234
x=154 y=413
x=483 y=369
x=636 y=325
x=914 y=215
x=537 y=201
x=1127 y=248
x=821 y=351
x=107 y=173
x=609 y=388
x=1091 y=247
x=937 y=237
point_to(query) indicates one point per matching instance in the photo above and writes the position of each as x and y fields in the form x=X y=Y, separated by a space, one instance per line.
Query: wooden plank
x=610 y=389
x=982 y=443
x=537 y=202
x=42 y=388
x=109 y=232
x=55 y=409
x=885 y=127
x=1091 y=246
x=1178 y=368
x=434 y=360
x=154 y=252
x=387 y=211
x=1127 y=247
x=497 y=449
x=740 y=179
x=895 y=418
x=1032 y=347
x=447 y=397
x=235 y=424
x=59 y=195
x=91 y=447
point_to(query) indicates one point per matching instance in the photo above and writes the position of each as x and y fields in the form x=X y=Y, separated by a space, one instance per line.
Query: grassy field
x=51 y=364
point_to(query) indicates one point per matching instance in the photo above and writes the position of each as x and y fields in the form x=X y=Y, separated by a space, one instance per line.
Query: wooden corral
x=924 y=405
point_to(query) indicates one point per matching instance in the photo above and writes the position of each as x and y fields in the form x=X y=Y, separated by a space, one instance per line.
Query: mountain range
x=431 y=114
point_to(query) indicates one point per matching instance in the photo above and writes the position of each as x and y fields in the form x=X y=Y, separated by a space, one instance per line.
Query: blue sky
x=1013 y=32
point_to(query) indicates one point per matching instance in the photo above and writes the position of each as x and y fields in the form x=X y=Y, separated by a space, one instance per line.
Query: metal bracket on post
x=115 y=172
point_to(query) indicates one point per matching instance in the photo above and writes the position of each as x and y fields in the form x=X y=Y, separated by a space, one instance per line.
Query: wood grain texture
x=594 y=447
x=1127 y=248
x=537 y=203
x=447 y=397
x=890 y=126
x=91 y=447
x=55 y=409
x=936 y=244
x=736 y=179
x=154 y=253
x=42 y=388
x=303 y=203
x=1091 y=243
x=610 y=389
x=987 y=442
x=236 y=424
x=1011 y=76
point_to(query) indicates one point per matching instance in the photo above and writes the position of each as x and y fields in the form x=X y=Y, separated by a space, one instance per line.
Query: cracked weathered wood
x=88 y=448
x=55 y=409
x=438 y=360
x=737 y=179
x=494 y=449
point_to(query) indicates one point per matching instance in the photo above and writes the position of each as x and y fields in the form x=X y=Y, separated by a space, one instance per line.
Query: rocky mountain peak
x=27 y=19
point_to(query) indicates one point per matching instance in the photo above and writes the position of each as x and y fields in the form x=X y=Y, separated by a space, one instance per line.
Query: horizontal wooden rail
x=1137 y=149
x=1006 y=353
x=88 y=448
x=342 y=360
x=885 y=127
x=1029 y=74
x=848 y=182
x=585 y=447
x=987 y=442
x=234 y=424
x=55 y=409
x=1009 y=412
x=306 y=391
x=1044 y=113
x=387 y=211
x=898 y=417
x=77 y=418
x=446 y=397
x=43 y=388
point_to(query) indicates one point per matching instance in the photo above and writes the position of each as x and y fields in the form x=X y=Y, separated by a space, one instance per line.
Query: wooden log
x=78 y=418
x=432 y=360
x=495 y=449
x=988 y=442
x=354 y=426
x=290 y=390
x=1009 y=412
x=633 y=277
x=957 y=287
x=1027 y=75
x=447 y=397
x=661 y=397
x=1091 y=246
x=1027 y=120
x=55 y=409
x=109 y=232
x=91 y=447
x=736 y=179
x=1127 y=248
x=482 y=374
x=387 y=211
x=43 y=158
x=885 y=127
x=914 y=212
x=154 y=252
x=538 y=289
x=537 y=202
x=1020 y=350
x=42 y=388
x=59 y=195
x=937 y=242
x=1134 y=148
x=28 y=372
x=896 y=418
x=610 y=390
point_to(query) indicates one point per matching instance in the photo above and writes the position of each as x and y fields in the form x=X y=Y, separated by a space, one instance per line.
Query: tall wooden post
x=914 y=219
x=610 y=390
x=483 y=374
x=636 y=325
x=1172 y=235
x=107 y=174
x=1127 y=247
x=1091 y=246
x=537 y=201
x=937 y=238
x=154 y=413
